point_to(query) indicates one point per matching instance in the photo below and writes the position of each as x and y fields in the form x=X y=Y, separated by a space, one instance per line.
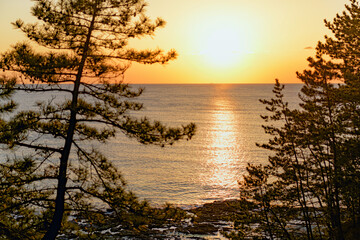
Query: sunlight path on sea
x=224 y=153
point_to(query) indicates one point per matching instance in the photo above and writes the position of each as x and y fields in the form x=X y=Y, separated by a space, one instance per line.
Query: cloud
x=309 y=48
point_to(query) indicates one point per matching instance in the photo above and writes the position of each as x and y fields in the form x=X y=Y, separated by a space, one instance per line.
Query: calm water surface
x=208 y=167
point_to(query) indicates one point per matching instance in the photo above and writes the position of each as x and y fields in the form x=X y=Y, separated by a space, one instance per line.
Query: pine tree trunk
x=55 y=225
x=61 y=188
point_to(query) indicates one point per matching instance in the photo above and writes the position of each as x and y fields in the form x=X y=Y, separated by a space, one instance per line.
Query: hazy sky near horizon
x=229 y=41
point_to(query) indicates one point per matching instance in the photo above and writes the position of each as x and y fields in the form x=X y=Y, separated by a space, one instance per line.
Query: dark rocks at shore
x=211 y=218
x=204 y=222
x=216 y=211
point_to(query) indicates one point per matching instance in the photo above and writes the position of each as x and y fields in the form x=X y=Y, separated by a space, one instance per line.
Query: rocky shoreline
x=208 y=221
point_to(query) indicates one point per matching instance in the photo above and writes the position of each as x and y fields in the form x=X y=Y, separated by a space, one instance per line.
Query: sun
x=222 y=42
x=222 y=47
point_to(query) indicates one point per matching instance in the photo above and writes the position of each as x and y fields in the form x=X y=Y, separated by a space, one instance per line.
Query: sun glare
x=222 y=47
x=222 y=42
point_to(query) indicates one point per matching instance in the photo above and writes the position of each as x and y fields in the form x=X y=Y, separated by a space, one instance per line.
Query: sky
x=228 y=41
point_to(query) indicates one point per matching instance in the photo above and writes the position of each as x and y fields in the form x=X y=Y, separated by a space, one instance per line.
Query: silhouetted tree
x=310 y=187
x=57 y=171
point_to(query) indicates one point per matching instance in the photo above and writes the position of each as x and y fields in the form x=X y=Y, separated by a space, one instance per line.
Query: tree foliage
x=310 y=188
x=53 y=170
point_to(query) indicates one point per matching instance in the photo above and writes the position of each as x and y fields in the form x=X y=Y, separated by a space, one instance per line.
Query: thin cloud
x=309 y=48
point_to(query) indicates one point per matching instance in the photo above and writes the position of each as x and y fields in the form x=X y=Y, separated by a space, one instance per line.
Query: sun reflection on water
x=224 y=151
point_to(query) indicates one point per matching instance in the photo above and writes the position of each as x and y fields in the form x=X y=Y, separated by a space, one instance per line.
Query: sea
x=208 y=167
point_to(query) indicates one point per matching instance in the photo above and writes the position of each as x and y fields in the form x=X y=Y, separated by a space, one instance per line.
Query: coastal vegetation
x=53 y=172
x=55 y=183
x=310 y=187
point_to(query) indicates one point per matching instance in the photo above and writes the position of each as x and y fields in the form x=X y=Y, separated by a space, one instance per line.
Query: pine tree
x=59 y=173
x=310 y=187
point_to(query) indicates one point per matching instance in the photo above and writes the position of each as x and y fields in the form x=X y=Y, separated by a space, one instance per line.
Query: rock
x=202 y=228
x=211 y=218
x=216 y=211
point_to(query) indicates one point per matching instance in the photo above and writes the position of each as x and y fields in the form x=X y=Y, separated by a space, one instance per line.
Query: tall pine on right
x=310 y=187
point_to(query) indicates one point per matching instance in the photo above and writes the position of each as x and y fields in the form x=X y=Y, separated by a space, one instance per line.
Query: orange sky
x=229 y=41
